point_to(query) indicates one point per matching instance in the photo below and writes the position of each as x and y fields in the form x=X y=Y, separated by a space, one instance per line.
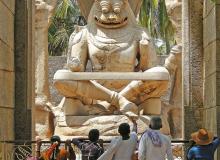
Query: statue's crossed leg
x=122 y=100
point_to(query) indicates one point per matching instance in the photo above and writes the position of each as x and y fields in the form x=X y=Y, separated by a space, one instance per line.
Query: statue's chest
x=106 y=54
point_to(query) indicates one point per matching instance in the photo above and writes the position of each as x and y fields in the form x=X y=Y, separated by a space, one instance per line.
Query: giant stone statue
x=123 y=61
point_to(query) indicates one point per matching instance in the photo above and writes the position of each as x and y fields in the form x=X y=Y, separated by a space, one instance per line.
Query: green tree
x=154 y=17
x=67 y=14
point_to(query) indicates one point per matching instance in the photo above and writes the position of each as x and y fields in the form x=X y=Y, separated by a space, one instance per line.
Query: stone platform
x=79 y=126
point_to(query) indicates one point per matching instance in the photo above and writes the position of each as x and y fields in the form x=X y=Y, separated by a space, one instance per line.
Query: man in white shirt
x=153 y=144
x=123 y=147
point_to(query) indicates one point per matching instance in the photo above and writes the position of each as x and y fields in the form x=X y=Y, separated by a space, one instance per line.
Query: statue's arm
x=77 y=52
x=148 y=57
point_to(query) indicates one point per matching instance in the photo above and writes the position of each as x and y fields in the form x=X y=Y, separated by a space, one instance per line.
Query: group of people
x=153 y=145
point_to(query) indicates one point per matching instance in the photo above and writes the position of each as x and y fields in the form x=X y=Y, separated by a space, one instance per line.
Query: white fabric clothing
x=126 y=148
x=148 y=151
x=120 y=149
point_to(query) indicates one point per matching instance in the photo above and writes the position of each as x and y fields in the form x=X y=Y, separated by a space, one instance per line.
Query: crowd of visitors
x=153 y=145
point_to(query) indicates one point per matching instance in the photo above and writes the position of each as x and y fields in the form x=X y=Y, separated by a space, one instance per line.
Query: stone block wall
x=211 y=45
x=6 y=67
x=7 y=11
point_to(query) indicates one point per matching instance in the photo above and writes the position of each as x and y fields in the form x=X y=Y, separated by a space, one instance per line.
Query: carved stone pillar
x=192 y=65
x=24 y=69
x=211 y=45
x=44 y=116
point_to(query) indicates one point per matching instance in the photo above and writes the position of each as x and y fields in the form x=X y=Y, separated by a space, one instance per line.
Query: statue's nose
x=112 y=17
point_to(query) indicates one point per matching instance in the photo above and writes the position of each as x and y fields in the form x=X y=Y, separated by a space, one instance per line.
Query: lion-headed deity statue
x=113 y=42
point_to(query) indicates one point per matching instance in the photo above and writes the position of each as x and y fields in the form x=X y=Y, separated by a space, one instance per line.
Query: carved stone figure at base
x=113 y=42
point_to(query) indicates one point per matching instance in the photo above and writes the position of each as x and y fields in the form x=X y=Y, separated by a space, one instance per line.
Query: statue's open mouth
x=111 y=24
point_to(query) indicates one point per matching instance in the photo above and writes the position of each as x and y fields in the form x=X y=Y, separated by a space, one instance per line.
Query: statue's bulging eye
x=117 y=7
x=105 y=10
x=105 y=6
x=117 y=10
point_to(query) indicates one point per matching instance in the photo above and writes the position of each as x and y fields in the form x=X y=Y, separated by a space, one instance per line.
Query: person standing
x=153 y=144
x=92 y=149
x=205 y=145
x=54 y=151
x=123 y=147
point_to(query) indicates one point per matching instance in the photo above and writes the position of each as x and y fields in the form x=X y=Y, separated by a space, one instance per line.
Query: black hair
x=94 y=135
x=124 y=129
x=155 y=123
x=55 y=138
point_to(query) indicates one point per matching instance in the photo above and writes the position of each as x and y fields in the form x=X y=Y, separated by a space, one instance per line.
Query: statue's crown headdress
x=86 y=5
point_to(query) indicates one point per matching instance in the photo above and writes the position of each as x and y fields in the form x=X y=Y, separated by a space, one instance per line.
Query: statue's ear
x=85 y=7
x=135 y=6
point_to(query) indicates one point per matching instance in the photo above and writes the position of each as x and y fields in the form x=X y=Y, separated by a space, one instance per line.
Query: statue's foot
x=127 y=106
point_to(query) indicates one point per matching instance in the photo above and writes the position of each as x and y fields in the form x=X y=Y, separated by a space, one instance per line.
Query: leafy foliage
x=154 y=17
x=66 y=16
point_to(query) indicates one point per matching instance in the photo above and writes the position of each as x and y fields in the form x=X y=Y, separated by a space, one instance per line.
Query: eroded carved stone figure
x=112 y=42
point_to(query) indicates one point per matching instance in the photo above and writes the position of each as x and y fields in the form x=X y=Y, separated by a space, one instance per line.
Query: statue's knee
x=57 y=83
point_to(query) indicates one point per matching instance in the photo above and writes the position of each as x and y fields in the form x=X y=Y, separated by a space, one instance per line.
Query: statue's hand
x=74 y=64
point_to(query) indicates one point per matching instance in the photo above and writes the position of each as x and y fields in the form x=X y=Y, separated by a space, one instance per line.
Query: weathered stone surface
x=196 y=53
x=209 y=22
x=59 y=62
x=218 y=120
x=217 y=88
x=112 y=50
x=7 y=57
x=10 y=4
x=172 y=103
x=7 y=25
x=208 y=6
x=154 y=74
x=210 y=119
x=186 y=57
x=7 y=124
x=43 y=13
x=193 y=64
x=44 y=123
x=7 y=88
x=210 y=60
x=23 y=53
x=210 y=91
x=218 y=56
x=107 y=125
x=217 y=13
x=6 y=132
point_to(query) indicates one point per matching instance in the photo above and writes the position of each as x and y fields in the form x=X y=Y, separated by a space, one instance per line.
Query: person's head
x=54 y=139
x=202 y=137
x=94 y=135
x=155 y=123
x=124 y=129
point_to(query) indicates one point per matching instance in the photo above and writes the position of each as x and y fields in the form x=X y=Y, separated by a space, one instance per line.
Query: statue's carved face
x=111 y=13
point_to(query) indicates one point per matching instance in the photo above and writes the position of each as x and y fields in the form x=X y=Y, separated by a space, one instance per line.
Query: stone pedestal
x=79 y=126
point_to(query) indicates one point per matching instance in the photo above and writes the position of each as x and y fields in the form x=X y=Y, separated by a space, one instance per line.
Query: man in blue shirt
x=205 y=146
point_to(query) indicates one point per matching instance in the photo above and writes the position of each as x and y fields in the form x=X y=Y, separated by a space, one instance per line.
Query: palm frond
x=62 y=26
x=154 y=17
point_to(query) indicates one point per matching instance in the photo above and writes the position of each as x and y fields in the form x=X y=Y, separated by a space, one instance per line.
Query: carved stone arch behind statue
x=86 y=5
